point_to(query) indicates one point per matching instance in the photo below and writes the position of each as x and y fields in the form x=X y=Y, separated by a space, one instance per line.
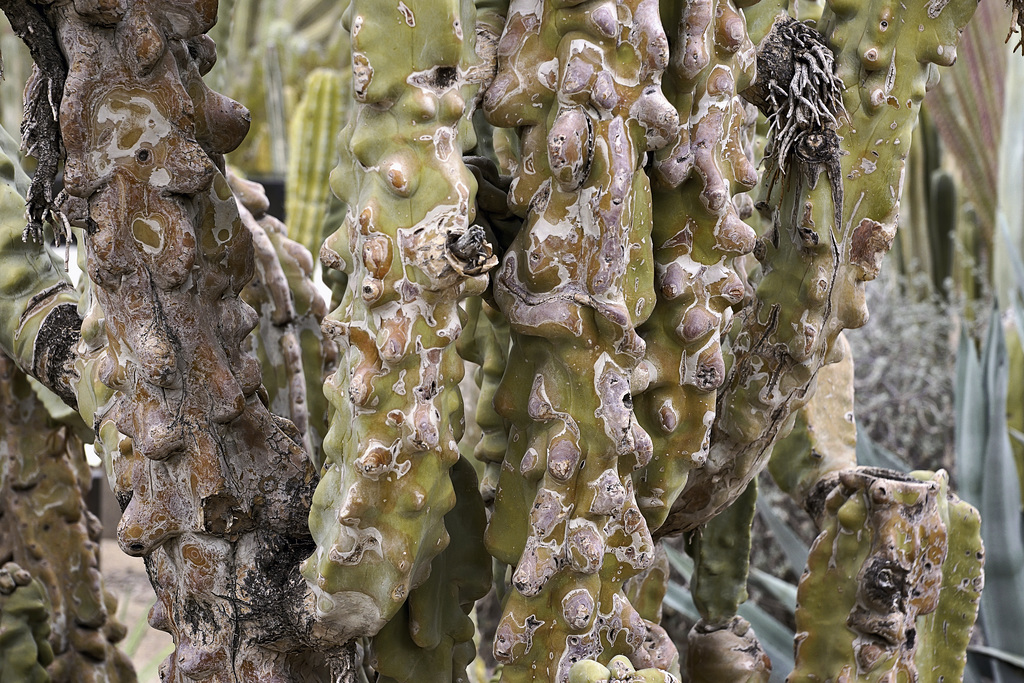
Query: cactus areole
x=554 y=190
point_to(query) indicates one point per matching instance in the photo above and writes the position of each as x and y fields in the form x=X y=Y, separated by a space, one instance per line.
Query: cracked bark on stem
x=582 y=85
x=377 y=517
x=821 y=250
x=186 y=435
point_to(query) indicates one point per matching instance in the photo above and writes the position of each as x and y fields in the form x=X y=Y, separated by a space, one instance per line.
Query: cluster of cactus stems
x=635 y=367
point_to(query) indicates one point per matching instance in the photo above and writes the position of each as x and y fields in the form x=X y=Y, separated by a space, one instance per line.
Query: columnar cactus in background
x=636 y=365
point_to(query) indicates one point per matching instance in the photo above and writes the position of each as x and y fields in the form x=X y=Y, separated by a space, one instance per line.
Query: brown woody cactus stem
x=582 y=84
x=697 y=235
x=833 y=218
x=411 y=252
x=168 y=256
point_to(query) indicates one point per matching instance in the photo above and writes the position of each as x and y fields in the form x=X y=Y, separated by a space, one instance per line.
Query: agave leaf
x=783 y=591
x=1000 y=655
x=794 y=549
x=1003 y=598
x=969 y=411
x=873 y=454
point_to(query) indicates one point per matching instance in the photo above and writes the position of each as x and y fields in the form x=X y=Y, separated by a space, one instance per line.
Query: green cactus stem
x=823 y=440
x=833 y=217
x=877 y=601
x=722 y=646
x=697 y=235
x=411 y=252
x=46 y=529
x=25 y=651
x=485 y=342
x=431 y=637
x=315 y=123
x=582 y=86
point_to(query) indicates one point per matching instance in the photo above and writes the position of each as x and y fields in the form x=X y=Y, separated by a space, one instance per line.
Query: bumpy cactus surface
x=636 y=365
x=410 y=253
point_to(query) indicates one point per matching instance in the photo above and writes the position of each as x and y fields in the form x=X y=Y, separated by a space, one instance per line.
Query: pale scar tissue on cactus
x=641 y=347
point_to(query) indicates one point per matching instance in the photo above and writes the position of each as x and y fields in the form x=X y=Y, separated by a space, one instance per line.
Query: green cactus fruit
x=697 y=235
x=618 y=670
x=431 y=636
x=832 y=204
x=314 y=126
x=25 y=651
x=726 y=651
x=411 y=252
x=877 y=602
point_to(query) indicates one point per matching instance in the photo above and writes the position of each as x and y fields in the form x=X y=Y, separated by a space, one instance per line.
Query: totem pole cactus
x=583 y=87
x=47 y=531
x=411 y=253
x=650 y=371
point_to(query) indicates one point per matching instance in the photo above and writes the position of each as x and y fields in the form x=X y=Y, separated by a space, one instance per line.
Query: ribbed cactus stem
x=411 y=252
x=832 y=214
x=311 y=156
x=582 y=85
x=697 y=235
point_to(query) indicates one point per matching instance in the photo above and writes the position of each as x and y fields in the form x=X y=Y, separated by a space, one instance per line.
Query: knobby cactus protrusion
x=411 y=251
x=698 y=236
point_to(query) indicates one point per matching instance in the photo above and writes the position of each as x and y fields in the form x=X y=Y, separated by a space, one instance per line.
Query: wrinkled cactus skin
x=410 y=255
x=697 y=235
x=582 y=85
x=820 y=251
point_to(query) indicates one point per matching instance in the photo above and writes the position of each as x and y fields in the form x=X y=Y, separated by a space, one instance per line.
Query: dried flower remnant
x=411 y=251
x=1016 y=22
x=582 y=85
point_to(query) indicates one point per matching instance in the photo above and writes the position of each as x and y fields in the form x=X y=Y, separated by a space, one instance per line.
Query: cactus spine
x=410 y=254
